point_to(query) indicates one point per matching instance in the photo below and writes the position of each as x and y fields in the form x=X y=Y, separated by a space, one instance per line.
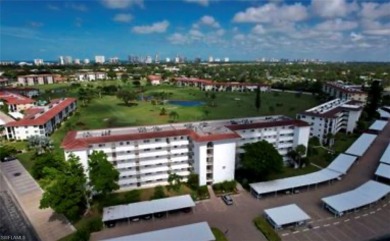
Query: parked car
x=110 y=224
x=8 y=158
x=227 y=199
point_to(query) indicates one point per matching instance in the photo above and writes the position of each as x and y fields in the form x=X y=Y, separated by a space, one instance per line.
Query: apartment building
x=90 y=76
x=209 y=85
x=41 y=121
x=344 y=91
x=332 y=117
x=154 y=79
x=15 y=102
x=39 y=79
x=146 y=155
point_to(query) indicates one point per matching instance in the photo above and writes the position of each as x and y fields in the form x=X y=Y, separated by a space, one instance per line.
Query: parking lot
x=236 y=220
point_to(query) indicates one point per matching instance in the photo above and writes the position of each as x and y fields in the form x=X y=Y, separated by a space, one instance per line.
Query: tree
x=213 y=96
x=261 y=159
x=158 y=192
x=126 y=96
x=173 y=115
x=103 y=177
x=46 y=160
x=111 y=74
x=124 y=77
x=41 y=144
x=6 y=151
x=163 y=111
x=174 y=181
x=66 y=192
x=258 y=99
x=301 y=152
x=373 y=99
x=4 y=107
x=193 y=181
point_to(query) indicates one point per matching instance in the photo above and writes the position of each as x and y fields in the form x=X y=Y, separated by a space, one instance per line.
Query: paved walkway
x=48 y=225
x=236 y=220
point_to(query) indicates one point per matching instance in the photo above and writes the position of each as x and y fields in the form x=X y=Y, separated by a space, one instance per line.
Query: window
x=102 y=145
x=157 y=139
x=121 y=143
x=127 y=142
x=146 y=141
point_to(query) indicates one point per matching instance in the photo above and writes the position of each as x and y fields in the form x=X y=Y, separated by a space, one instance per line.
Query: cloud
x=195 y=33
x=333 y=8
x=258 y=29
x=121 y=4
x=23 y=33
x=209 y=21
x=78 y=22
x=53 y=7
x=123 y=18
x=356 y=37
x=336 y=25
x=77 y=7
x=381 y=32
x=373 y=10
x=35 y=24
x=271 y=12
x=239 y=37
x=158 y=27
x=203 y=3
x=178 y=38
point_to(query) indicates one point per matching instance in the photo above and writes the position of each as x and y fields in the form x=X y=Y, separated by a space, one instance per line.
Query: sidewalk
x=48 y=225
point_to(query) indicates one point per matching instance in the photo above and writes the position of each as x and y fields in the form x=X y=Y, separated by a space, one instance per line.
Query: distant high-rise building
x=197 y=60
x=167 y=60
x=38 y=61
x=157 y=59
x=113 y=60
x=86 y=61
x=211 y=59
x=76 y=61
x=68 y=60
x=148 y=60
x=177 y=59
x=217 y=60
x=226 y=59
x=100 y=59
x=61 y=60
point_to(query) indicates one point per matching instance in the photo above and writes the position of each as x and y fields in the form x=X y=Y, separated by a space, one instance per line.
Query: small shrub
x=158 y=193
x=203 y=192
x=132 y=196
x=94 y=225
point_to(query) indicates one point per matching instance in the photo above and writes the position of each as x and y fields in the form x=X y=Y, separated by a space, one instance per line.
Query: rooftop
x=346 y=88
x=333 y=107
x=198 y=131
x=41 y=115
x=15 y=99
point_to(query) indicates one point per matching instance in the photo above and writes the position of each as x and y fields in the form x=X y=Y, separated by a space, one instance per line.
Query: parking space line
x=296 y=232
x=326 y=225
x=285 y=234
x=335 y=223
x=379 y=209
x=372 y=212
x=364 y=215
x=357 y=217
x=305 y=230
x=316 y=227
x=384 y=205
x=346 y=220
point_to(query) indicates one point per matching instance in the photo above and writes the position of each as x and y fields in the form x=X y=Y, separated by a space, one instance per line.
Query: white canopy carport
x=366 y=194
x=191 y=232
x=274 y=186
x=146 y=208
x=342 y=163
x=378 y=125
x=360 y=146
x=386 y=156
x=384 y=114
x=383 y=170
x=284 y=215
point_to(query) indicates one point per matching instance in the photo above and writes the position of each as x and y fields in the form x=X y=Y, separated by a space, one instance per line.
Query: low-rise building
x=331 y=117
x=90 y=76
x=154 y=79
x=344 y=91
x=15 y=102
x=144 y=156
x=4 y=119
x=41 y=121
x=26 y=91
x=39 y=79
x=209 y=85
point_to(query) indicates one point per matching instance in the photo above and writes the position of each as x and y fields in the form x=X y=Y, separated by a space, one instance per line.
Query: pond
x=187 y=103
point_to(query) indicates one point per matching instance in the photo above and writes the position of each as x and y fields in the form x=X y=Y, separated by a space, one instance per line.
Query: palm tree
x=174 y=116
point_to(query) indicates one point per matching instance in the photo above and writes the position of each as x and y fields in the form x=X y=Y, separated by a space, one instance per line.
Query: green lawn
x=290 y=172
x=219 y=236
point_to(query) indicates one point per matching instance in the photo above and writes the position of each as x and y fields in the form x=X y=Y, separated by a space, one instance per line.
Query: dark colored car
x=8 y=158
x=227 y=199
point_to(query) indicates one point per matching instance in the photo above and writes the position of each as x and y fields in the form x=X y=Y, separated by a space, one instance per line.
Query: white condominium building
x=146 y=155
x=41 y=120
x=90 y=76
x=38 y=79
x=331 y=117
x=344 y=91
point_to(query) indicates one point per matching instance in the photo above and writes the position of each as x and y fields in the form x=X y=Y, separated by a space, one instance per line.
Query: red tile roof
x=15 y=99
x=154 y=77
x=45 y=117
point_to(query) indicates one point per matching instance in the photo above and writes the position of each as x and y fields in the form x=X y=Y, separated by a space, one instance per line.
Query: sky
x=334 y=30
